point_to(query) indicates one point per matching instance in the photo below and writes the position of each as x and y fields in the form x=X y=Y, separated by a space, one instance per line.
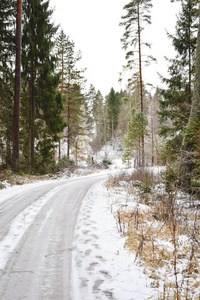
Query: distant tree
x=113 y=106
x=67 y=65
x=100 y=116
x=78 y=128
x=77 y=118
x=136 y=129
x=137 y=14
x=89 y=102
x=124 y=117
x=153 y=122
x=61 y=44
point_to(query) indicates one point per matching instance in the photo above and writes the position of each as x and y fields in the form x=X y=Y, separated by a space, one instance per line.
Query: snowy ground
x=102 y=268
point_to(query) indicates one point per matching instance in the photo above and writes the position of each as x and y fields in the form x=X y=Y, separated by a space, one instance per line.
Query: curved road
x=36 y=235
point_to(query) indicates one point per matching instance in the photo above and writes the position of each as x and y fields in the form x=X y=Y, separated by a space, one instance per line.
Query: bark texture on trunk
x=140 y=74
x=15 y=165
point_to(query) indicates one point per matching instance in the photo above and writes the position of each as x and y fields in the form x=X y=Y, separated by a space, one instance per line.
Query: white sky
x=94 y=27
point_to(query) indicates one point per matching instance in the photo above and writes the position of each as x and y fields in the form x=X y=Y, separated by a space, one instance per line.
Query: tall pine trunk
x=140 y=79
x=68 y=120
x=32 y=117
x=62 y=88
x=15 y=165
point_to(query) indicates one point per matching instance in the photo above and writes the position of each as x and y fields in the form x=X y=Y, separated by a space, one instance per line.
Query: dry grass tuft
x=163 y=231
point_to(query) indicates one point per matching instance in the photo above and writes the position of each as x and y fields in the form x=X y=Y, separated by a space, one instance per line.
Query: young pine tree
x=70 y=75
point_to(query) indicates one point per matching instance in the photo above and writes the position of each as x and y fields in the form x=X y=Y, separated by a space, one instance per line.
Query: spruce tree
x=176 y=102
x=7 y=63
x=99 y=112
x=40 y=96
x=89 y=100
x=189 y=165
x=113 y=104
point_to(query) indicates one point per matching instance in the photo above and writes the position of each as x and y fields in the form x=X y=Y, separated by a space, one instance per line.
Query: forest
x=49 y=120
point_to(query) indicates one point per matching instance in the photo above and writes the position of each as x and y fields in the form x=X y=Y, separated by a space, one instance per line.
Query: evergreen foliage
x=7 y=59
x=71 y=84
x=136 y=129
x=189 y=168
x=176 y=102
x=137 y=15
x=55 y=110
x=113 y=106
x=40 y=82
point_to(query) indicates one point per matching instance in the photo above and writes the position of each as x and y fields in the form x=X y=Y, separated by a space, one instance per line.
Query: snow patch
x=19 y=226
x=101 y=267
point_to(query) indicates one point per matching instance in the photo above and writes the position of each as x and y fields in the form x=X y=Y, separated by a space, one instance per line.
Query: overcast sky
x=94 y=27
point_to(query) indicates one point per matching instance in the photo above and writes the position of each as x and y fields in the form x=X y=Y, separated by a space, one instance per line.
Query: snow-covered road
x=37 y=226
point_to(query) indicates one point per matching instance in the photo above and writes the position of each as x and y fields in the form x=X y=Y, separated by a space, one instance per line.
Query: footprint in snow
x=87 y=252
x=96 y=246
x=92 y=266
x=96 y=286
x=84 y=282
x=105 y=273
x=87 y=241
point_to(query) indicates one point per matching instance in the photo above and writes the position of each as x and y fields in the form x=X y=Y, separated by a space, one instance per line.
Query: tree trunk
x=32 y=114
x=62 y=87
x=140 y=81
x=68 y=127
x=15 y=165
x=195 y=109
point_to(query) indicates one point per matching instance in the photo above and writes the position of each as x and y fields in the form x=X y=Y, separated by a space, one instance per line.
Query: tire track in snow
x=19 y=226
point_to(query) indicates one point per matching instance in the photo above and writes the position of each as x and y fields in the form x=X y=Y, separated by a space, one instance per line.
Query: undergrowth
x=162 y=228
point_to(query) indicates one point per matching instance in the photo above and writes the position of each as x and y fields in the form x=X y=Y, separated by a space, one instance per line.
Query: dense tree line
x=51 y=96
x=59 y=118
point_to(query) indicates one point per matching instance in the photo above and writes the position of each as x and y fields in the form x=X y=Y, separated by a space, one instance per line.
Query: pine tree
x=153 y=121
x=67 y=65
x=78 y=130
x=137 y=14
